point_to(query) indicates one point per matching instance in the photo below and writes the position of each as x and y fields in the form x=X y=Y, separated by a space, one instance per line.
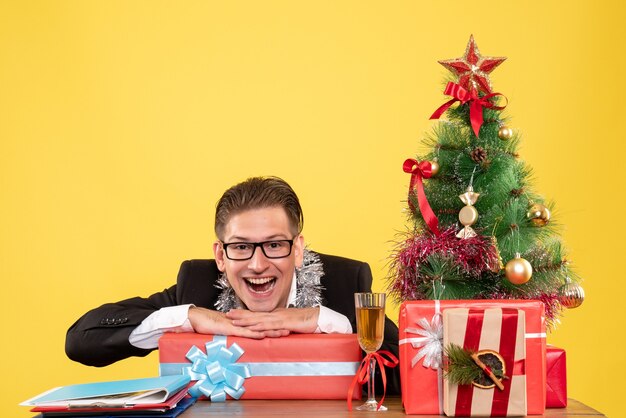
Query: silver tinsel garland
x=308 y=286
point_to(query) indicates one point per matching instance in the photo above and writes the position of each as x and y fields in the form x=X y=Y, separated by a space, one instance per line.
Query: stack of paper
x=163 y=396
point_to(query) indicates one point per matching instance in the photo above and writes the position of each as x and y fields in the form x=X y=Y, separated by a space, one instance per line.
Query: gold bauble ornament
x=571 y=295
x=505 y=133
x=538 y=214
x=434 y=167
x=518 y=271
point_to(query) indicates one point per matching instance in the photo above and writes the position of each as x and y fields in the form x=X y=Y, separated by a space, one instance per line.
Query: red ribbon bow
x=477 y=104
x=363 y=374
x=418 y=171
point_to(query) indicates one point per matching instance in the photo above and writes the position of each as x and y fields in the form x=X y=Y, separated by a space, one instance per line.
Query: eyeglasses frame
x=255 y=245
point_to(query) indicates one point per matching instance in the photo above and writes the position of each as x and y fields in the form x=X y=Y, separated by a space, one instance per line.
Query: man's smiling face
x=261 y=283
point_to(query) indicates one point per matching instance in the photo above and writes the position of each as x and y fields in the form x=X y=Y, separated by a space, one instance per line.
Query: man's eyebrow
x=269 y=238
x=277 y=236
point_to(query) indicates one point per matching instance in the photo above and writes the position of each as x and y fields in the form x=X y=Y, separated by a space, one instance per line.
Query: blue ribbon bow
x=216 y=372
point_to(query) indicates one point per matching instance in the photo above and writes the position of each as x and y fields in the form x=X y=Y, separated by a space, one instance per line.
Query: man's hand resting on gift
x=206 y=321
x=300 y=320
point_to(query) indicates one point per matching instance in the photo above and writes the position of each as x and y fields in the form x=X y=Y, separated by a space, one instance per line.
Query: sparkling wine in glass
x=370 y=324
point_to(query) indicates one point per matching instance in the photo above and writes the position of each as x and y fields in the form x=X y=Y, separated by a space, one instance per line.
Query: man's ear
x=218 y=250
x=298 y=249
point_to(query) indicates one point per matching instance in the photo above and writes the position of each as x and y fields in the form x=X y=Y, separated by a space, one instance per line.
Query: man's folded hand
x=282 y=320
x=206 y=321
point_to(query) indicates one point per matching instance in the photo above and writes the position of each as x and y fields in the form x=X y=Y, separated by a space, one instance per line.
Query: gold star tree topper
x=472 y=68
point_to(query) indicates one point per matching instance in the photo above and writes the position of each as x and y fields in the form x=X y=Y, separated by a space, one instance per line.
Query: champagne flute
x=370 y=324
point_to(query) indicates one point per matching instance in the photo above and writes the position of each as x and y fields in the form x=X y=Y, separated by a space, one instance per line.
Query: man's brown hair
x=258 y=193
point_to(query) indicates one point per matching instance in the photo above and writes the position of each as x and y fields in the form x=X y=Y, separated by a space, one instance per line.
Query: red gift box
x=421 y=330
x=299 y=366
x=556 y=378
x=501 y=330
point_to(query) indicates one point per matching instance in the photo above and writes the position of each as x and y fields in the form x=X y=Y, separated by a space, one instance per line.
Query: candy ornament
x=468 y=214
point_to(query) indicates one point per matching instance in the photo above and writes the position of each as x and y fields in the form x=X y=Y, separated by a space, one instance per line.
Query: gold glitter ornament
x=518 y=271
x=571 y=295
x=538 y=214
x=505 y=133
x=434 y=167
x=468 y=214
x=499 y=265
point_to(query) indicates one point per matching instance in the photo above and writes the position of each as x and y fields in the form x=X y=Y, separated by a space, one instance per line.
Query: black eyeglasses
x=245 y=250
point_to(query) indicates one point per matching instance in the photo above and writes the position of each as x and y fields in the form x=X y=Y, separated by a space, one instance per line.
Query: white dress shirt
x=176 y=319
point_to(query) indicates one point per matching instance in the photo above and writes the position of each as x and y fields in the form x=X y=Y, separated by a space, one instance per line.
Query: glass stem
x=371 y=393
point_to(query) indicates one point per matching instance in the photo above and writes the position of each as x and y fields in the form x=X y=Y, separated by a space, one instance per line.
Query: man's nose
x=259 y=261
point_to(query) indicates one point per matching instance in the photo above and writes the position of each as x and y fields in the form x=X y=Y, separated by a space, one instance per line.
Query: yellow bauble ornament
x=505 y=133
x=571 y=295
x=538 y=214
x=434 y=167
x=518 y=271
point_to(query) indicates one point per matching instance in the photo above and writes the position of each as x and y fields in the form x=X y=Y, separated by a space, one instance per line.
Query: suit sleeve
x=100 y=337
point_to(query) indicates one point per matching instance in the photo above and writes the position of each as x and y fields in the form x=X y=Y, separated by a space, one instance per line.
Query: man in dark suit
x=263 y=283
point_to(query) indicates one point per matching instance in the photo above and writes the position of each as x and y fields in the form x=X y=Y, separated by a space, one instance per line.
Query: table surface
x=336 y=409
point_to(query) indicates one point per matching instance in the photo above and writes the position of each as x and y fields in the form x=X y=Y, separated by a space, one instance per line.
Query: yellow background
x=122 y=122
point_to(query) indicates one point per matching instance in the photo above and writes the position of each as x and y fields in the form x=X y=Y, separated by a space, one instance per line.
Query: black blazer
x=100 y=337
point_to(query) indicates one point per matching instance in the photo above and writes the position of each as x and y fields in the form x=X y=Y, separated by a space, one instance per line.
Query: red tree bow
x=477 y=104
x=363 y=374
x=418 y=171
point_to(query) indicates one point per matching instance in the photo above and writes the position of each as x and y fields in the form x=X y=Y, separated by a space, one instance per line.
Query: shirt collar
x=292 y=292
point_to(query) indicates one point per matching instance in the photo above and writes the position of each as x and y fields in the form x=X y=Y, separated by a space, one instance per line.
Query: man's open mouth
x=260 y=284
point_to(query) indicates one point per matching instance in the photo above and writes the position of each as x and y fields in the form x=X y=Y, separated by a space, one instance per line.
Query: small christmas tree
x=479 y=231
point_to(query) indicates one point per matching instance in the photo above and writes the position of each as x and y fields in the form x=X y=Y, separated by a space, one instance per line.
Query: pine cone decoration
x=479 y=155
x=517 y=192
